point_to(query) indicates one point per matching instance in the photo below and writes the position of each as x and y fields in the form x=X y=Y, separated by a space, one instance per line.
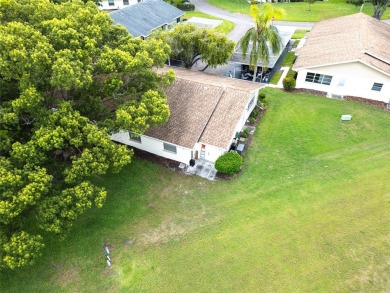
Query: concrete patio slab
x=203 y=169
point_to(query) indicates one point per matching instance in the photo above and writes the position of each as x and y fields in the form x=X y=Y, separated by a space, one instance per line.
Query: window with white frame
x=318 y=78
x=125 y=2
x=111 y=2
x=135 y=137
x=170 y=148
x=377 y=87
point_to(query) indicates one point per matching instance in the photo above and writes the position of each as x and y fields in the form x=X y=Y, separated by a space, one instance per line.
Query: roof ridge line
x=212 y=113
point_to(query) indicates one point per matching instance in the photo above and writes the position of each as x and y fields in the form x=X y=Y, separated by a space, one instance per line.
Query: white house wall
x=213 y=152
x=358 y=81
x=154 y=146
x=104 y=4
x=247 y=113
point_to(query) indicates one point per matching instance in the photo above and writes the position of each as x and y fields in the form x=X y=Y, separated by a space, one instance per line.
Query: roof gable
x=141 y=18
x=204 y=108
x=356 y=37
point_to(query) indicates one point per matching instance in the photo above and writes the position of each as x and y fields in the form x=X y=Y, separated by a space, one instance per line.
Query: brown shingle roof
x=203 y=105
x=220 y=128
x=346 y=39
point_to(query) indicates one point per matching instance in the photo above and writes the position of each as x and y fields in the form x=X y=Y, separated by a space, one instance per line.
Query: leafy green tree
x=190 y=44
x=68 y=78
x=263 y=35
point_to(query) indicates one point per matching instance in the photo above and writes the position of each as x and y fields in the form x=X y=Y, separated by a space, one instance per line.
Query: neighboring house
x=207 y=112
x=149 y=15
x=116 y=4
x=347 y=56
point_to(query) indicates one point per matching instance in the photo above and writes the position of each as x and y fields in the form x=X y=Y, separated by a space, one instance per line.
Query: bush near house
x=228 y=163
x=289 y=83
x=245 y=133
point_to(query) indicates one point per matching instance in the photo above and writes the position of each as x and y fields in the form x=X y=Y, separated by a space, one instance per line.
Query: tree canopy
x=261 y=38
x=190 y=44
x=68 y=78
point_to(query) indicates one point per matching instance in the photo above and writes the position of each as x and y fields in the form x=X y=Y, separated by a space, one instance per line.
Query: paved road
x=243 y=22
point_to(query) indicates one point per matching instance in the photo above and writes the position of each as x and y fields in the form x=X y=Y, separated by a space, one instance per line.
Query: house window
x=111 y=2
x=250 y=103
x=135 y=137
x=125 y=2
x=178 y=20
x=318 y=78
x=377 y=86
x=170 y=148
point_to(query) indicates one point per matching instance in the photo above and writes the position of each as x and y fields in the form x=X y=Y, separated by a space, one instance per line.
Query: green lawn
x=297 y=11
x=310 y=212
x=299 y=34
x=226 y=27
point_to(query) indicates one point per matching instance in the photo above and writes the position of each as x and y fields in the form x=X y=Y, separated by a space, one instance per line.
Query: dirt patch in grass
x=172 y=229
x=65 y=276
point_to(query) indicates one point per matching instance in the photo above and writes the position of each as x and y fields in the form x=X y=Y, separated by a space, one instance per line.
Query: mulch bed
x=167 y=163
x=360 y=100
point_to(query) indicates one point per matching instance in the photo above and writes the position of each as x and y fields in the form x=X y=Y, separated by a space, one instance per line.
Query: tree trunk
x=379 y=8
x=254 y=73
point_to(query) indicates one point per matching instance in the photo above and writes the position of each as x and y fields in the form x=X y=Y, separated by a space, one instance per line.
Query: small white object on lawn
x=346 y=117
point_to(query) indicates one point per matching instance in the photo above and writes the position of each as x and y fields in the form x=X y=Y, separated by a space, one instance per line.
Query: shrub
x=254 y=114
x=228 y=163
x=289 y=83
x=245 y=133
x=261 y=100
x=291 y=73
x=185 y=6
x=261 y=96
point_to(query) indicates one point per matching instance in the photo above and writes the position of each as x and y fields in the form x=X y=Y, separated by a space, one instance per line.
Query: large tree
x=68 y=78
x=190 y=44
x=262 y=37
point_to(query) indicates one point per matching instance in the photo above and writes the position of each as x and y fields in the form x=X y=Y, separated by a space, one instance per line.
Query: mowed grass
x=225 y=27
x=310 y=212
x=297 y=11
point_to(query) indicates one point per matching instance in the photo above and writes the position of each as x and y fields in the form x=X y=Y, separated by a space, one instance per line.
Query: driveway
x=243 y=22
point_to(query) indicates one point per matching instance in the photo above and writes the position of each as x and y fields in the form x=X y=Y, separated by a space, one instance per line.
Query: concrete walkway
x=284 y=74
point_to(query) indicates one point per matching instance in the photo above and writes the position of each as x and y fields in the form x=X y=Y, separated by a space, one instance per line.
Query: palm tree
x=262 y=36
